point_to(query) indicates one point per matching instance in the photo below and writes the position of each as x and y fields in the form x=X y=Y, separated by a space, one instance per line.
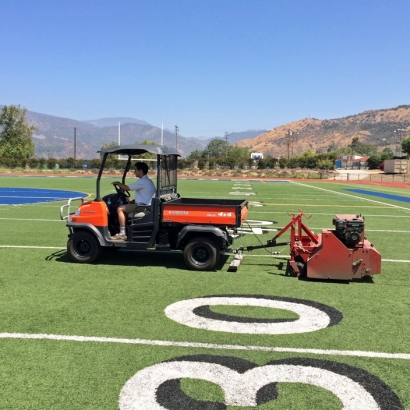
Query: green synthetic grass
x=124 y=296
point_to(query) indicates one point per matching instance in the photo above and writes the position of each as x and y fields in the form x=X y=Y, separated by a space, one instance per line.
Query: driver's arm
x=122 y=186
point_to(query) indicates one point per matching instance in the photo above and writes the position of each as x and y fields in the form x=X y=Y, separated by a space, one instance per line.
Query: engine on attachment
x=349 y=228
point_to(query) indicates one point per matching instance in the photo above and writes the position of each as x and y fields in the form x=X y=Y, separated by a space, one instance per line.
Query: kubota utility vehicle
x=197 y=227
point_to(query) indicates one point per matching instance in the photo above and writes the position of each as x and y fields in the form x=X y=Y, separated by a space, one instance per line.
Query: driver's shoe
x=119 y=237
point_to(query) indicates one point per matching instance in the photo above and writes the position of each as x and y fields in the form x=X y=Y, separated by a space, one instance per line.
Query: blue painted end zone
x=21 y=196
x=380 y=195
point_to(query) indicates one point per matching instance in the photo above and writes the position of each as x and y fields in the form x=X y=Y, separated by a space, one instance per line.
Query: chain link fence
x=375 y=177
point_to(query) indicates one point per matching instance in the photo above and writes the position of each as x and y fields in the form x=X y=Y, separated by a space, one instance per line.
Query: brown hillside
x=372 y=127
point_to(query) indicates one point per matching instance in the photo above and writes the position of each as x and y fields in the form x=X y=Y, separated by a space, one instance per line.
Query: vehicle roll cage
x=166 y=164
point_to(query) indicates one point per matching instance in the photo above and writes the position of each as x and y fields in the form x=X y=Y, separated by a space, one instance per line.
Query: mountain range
x=383 y=128
x=54 y=136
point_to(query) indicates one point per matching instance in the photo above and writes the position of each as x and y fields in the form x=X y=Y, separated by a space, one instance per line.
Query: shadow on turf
x=170 y=260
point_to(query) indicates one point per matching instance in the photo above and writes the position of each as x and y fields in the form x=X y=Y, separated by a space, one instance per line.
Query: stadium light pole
x=75 y=142
x=176 y=136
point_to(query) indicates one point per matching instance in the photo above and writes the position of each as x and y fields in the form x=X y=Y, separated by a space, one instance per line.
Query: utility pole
x=400 y=133
x=176 y=136
x=293 y=139
x=289 y=133
x=75 y=143
x=226 y=140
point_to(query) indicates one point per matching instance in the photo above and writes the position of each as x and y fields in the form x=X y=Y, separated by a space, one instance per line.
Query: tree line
x=17 y=150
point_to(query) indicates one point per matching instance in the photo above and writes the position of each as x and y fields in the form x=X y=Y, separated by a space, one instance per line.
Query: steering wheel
x=120 y=191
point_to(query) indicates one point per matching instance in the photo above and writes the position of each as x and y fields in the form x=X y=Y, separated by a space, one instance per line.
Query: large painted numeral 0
x=197 y=313
x=246 y=384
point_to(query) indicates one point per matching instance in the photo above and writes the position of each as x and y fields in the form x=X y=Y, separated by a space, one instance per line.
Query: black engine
x=349 y=228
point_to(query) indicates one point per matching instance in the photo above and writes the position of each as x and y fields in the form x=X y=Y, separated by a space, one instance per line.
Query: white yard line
x=254 y=211
x=31 y=247
x=352 y=196
x=29 y=219
x=357 y=353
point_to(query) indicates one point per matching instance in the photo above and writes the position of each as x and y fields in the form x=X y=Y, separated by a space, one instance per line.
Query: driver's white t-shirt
x=144 y=190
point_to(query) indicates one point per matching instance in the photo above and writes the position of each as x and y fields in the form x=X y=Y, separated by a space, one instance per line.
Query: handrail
x=65 y=210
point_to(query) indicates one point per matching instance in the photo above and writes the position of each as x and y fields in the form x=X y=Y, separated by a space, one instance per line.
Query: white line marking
x=31 y=247
x=35 y=220
x=357 y=353
x=332 y=214
x=352 y=196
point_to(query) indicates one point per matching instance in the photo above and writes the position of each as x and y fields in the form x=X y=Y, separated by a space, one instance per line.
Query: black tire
x=291 y=272
x=201 y=253
x=83 y=247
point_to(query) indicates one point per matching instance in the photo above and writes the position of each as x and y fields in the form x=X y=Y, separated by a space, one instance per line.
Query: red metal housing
x=329 y=255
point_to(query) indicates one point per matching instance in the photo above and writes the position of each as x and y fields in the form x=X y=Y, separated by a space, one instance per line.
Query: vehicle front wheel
x=83 y=247
x=201 y=254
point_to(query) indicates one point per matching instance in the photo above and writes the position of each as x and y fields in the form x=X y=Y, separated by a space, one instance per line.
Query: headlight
x=77 y=212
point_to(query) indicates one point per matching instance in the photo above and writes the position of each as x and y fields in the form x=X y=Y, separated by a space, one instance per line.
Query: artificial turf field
x=102 y=336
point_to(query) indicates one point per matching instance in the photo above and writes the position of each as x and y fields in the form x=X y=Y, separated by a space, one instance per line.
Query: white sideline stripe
x=29 y=219
x=32 y=247
x=352 y=196
x=357 y=353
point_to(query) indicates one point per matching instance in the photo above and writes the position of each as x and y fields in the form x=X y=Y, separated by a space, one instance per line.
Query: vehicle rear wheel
x=201 y=253
x=83 y=247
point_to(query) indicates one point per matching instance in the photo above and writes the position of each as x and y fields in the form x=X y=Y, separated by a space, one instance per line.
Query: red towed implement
x=342 y=253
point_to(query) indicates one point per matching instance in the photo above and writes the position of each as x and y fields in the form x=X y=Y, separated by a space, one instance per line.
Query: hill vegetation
x=377 y=127
x=53 y=137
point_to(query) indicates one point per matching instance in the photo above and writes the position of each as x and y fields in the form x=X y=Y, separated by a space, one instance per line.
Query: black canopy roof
x=139 y=149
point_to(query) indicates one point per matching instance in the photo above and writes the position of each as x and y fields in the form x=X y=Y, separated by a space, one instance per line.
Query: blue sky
x=208 y=66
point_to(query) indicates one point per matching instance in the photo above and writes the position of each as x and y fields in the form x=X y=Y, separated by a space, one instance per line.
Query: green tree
x=325 y=163
x=361 y=148
x=261 y=164
x=386 y=154
x=374 y=161
x=106 y=145
x=15 y=133
x=71 y=162
x=197 y=154
x=405 y=145
x=239 y=156
x=332 y=147
x=283 y=162
x=217 y=148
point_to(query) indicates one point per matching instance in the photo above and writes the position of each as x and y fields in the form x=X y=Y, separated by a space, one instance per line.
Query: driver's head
x=142 y=166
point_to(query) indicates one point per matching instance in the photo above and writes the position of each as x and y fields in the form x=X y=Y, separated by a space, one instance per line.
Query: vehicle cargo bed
x=226 y=212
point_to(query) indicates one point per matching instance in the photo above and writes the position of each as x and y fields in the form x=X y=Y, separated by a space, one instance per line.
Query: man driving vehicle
x=144 y=191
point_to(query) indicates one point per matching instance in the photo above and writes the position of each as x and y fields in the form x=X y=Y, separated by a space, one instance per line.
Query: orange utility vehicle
x=197 y=227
